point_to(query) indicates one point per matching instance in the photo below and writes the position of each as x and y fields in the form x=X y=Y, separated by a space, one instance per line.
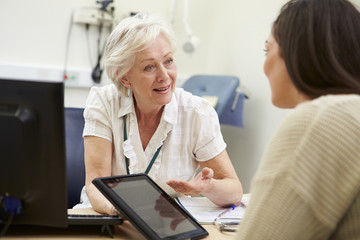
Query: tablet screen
x=149 y=207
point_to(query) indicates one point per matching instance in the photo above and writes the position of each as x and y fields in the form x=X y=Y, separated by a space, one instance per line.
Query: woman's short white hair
x=132 y=35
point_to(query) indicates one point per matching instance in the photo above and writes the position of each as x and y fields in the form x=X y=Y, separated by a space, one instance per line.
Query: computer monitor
x=32 y=152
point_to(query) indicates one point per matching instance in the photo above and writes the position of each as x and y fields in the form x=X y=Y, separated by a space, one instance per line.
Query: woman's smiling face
x=152 y=79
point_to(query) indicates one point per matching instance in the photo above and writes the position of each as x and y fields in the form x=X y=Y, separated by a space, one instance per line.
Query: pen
x=227 y=226
x=227 y=210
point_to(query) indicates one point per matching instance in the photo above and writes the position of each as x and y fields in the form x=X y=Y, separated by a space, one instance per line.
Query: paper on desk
x=205 y=212
x=212 y=99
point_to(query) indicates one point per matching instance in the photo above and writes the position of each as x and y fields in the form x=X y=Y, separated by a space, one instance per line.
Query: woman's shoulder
x=337 y=100
x=327 y=116
x=187 y=100
x=105 y=94
x=330 y=122
x=330 y=114
x=332 y=105
x=106 y=99
x=108 y=90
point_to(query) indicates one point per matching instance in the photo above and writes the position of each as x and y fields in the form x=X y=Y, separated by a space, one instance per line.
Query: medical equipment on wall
x=100 y=17
x=191 y=41
x=97 y=70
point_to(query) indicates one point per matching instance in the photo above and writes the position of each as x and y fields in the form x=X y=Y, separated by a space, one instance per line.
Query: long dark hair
x=320 y=44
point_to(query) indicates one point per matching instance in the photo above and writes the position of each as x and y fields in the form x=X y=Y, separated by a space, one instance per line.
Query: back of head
x=132 y=35
x=320 y=44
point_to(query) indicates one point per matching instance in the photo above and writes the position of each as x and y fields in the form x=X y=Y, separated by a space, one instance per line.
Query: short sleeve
x=97 y=114
x=206 y=136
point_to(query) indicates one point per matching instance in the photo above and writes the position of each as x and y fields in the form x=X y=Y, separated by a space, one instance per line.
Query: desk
x=124 y=231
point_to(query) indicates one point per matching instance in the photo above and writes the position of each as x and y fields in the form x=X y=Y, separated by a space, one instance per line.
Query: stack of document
x=205 y=211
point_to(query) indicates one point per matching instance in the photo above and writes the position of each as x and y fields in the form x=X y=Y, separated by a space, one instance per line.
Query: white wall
x=231 y=33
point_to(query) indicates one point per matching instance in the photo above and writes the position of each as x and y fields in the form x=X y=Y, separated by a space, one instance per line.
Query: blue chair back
x=230 y=100
x=213 y=85
x=74 y=125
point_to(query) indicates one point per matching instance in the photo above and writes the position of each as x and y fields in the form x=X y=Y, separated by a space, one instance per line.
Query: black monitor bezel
x=43 y=169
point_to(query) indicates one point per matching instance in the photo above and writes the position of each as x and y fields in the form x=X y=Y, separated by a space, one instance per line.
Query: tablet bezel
x=135 y=219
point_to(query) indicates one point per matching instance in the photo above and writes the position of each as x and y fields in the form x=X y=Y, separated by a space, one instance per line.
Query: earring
x=125 y=82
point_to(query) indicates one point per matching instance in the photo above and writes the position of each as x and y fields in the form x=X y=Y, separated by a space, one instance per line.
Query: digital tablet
x=149 y=208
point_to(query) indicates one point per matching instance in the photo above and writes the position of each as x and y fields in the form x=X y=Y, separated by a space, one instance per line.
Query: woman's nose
x=163 y=74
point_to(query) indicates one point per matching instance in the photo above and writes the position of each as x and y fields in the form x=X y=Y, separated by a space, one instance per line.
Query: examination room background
x=231 y=37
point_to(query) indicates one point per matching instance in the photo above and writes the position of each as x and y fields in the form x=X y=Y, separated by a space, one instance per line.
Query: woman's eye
x=149 y=67
x=169 y=61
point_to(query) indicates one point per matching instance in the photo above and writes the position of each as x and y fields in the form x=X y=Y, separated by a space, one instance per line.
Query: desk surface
x=124 y=231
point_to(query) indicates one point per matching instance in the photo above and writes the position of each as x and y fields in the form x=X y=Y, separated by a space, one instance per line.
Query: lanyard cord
x=127 y=160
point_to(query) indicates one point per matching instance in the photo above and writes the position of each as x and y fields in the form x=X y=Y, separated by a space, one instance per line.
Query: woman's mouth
x=164 y=89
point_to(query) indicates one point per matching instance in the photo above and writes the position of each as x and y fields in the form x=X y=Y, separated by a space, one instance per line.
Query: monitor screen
x=32 y=148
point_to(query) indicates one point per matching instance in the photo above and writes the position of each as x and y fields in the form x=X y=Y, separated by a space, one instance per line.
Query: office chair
x=229 y=106
x=75 y=167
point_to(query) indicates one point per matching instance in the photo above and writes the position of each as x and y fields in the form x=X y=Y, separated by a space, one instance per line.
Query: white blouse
x=189 y=131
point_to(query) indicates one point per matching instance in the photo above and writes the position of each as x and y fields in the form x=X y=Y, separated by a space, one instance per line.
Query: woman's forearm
x=224 y=192
x=99 y=201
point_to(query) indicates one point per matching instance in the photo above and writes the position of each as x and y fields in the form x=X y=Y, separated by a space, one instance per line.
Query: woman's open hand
x=195 y=186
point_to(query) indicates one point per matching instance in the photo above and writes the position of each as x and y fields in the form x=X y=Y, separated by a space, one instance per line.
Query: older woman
x=308 y=184
x=143 y=123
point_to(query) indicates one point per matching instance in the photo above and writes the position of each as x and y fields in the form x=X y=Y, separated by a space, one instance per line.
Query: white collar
x=170 y=113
